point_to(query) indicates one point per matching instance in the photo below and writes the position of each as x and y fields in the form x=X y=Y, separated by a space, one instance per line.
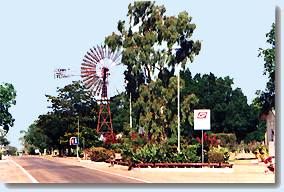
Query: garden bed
x=182 y=165
x=175 y=165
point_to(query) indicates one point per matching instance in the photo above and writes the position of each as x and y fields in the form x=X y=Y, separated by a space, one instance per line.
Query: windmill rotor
x=96 y=66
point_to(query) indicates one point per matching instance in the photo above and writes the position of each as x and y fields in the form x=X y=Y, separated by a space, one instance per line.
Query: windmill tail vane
x=61 y=73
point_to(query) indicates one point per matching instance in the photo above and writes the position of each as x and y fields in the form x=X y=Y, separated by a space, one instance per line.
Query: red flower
x=133 y=136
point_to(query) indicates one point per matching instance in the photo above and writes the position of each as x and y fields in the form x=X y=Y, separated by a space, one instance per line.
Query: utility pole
x=78 y=138
x=178 y=109
x=130 y=112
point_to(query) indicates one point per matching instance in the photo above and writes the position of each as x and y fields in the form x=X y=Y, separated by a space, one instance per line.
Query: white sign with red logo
x=202 y=119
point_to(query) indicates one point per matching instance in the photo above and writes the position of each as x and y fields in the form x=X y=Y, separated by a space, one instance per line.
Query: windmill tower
x=95 y=71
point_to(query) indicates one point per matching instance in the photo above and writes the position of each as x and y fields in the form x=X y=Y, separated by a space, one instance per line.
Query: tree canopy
x=54 y=128
x=153 y=43
x=267 y=97
x=230 y=112
x=3 y=139
x=7 y=99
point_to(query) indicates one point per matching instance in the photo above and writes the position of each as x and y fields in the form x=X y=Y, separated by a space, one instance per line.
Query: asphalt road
x=47 y=171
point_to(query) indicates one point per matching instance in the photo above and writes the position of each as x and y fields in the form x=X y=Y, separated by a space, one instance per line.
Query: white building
x=270 y=131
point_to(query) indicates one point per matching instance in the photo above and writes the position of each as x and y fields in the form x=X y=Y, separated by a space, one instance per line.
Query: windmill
x=95 y=71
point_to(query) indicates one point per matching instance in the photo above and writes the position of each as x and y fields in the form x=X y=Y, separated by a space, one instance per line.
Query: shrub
x=261 y=152
x=116 y=147
x=160 y=153
x=228 y=140
x=209 y=140
x=0 y=155
x=100 y=154
x=191 y=153
x=218 y=155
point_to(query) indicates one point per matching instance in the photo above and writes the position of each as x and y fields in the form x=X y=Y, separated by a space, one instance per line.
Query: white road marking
x=33 y=180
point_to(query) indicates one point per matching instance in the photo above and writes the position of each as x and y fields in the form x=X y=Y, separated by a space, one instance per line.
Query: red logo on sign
x=202 y=115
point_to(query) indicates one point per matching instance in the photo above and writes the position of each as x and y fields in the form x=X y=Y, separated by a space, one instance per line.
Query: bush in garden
x=209 y=140
x=100 y=154
x=253 y=146
x=261 y=152
x=192 y=153
x=160 y=153
x=242 y=147
x=228 y=140
x=116 y=147
x=0 y=155
x=218 y=155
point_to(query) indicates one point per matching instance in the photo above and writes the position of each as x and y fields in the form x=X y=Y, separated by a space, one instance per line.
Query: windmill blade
x=102 y=51
x=109 y=53
x=117 y=55
x=93 y=57
x=88 y=81
x=89 y=62
x=95 y=54
x=90 y=77
x=85 y=68
x=88 y=74
x=98 y=53
x=98 y=87
x=86 y=71
x=106 y=51
x=94 y=85
x=88 y=67
x=90 y=59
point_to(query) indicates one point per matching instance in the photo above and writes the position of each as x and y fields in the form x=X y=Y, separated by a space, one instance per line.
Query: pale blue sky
x=37 y=37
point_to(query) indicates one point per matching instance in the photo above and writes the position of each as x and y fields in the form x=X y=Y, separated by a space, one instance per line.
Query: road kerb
x=188 y=170
x=33 y=180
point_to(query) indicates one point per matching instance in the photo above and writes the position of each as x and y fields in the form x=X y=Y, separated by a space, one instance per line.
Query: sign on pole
x=202 y=119
x=73 y=141
x=202 y=122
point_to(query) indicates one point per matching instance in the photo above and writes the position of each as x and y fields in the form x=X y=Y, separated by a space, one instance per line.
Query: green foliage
x=34 y=138
x=159 y=153
x=188 y=154
x=218 y=155
x=54 y=129
x=230 y=112
x=228 y=140
x=7 y=99
x=261 y=151
x=3 y=139
x=120 y=112
x=100 y=154
x=267 y=98
x=147 y=41
x=10 y=150
x=116 y=147
x=156 y=109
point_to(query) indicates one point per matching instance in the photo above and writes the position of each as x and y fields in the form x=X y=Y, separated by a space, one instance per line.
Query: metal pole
x=202 y=157
x=130 y=111
x=78 y=138
x=178 y=108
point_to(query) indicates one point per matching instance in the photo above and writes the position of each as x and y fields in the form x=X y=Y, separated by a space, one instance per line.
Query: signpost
x=75 y=141
x=202 y=122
